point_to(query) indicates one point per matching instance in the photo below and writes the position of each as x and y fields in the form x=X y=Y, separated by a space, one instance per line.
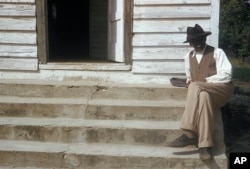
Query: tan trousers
x=202 y=101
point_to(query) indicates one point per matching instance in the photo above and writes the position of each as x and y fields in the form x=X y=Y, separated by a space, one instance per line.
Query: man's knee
x=196 y=86
x=204 y=95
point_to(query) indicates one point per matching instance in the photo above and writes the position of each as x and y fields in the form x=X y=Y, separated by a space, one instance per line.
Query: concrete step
x=83 y=108
x=93 y=131
x=14 y=167
x=95 y=125
x=69 y=89
x=103 y=156
x=83 y=131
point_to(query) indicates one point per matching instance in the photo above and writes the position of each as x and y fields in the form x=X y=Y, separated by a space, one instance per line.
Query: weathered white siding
x=159 y=29
x=18 y=38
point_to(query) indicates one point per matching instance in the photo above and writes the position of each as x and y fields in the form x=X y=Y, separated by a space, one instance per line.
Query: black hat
x=195 y=33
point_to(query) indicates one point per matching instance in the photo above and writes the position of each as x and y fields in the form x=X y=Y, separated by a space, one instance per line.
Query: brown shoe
x=205 y=153
x=182 y=141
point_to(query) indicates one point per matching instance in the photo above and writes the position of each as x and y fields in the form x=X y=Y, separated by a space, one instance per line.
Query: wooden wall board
x=17 y=10
x=18 y=23
x=19 y=1
x=172 y=39
x=27 y=51
x=167 y=26
x=172 y=12
x=18 y=64
x=160 y=53
x=170 y=2
x=157 y=67
x=18 y=38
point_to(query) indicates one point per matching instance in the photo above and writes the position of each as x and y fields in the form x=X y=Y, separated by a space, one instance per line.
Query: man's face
x=198 y=44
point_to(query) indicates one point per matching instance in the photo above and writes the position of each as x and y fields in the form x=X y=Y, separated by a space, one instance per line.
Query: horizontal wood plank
x=17 y=10
x=152 y=67
x=159 y=39
x=170 y=2
x=18 y=1
x=18 y=24
x=175 y=26
x=158 y=53
x=18 y=37
x=172 y=12
x=18 y=64
x=86 y=66
x=18 y=51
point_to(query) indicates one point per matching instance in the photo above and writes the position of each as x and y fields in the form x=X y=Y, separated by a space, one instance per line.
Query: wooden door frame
x=128 y=30
x=42 y=31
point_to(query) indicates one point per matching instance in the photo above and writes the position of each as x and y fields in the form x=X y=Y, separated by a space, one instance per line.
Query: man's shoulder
x=210 y=48
x=188 y=54
x=216 y=49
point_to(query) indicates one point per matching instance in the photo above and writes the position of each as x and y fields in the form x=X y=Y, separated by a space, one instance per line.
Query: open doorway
x=77 y=30
x=84 y=30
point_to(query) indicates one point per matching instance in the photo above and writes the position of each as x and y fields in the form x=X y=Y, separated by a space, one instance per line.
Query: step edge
x=88 y=83
x=90 y=123
x=82 y=100
x=99 y=149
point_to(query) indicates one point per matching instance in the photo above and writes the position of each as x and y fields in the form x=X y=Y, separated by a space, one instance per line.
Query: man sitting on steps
x=208 y=73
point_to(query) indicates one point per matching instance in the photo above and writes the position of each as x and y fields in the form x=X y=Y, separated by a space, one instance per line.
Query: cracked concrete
x=95 y=125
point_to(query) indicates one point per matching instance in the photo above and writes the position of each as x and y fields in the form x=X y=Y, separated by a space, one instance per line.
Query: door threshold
x=91 y=66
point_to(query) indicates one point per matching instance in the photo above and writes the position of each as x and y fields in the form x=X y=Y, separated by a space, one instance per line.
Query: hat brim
x=197 y=36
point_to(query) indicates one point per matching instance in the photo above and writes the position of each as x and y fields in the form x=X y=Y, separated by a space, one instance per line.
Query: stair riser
x=42 y=110
x=31 y=159
x=141 y=93
x=134 y=113
x=93 y=135
x=87 y=135
x=29 y=90
x=62 y=160
x=84 y=111
x=65 y=91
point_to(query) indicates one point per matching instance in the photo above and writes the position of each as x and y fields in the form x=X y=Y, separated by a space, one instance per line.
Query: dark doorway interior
x=68 y=30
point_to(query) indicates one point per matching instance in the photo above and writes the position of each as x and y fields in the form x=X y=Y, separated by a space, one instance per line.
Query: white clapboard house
x=84 y=84
x=116 y=40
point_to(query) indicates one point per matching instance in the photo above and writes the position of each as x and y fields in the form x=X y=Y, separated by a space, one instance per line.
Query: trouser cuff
x=206 y=144
x=188 y=127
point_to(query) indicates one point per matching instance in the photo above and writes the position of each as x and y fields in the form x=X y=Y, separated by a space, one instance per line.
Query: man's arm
x=223 y=66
